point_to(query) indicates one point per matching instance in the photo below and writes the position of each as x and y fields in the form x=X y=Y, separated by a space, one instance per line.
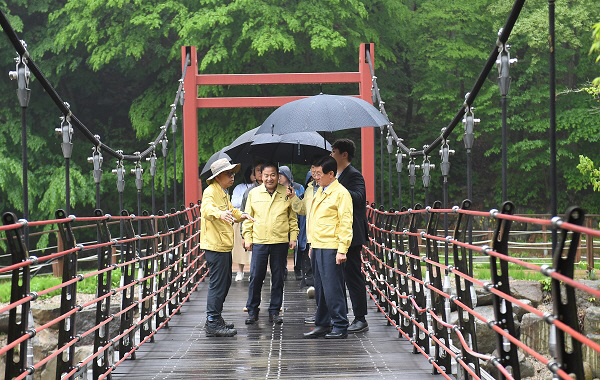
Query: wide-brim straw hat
x=221 y=165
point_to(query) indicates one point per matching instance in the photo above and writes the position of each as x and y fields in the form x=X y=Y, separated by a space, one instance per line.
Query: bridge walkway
x=265 y=351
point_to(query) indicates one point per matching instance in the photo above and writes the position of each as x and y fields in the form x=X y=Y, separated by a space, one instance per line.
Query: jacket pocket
x=325 y=232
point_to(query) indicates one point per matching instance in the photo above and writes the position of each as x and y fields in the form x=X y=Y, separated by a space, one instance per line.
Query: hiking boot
x=216 y=328
x=275 y=319
x=252 y=318
x=223 y=323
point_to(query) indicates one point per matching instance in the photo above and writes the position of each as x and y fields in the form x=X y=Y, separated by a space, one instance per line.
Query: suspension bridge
x=421 y=262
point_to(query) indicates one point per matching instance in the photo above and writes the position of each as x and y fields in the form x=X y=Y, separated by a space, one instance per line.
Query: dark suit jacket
x=354 y=182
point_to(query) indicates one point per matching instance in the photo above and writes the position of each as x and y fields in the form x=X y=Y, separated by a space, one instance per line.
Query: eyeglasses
x=230 y=174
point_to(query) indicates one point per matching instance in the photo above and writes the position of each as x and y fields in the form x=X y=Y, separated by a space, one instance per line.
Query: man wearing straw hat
x=216 y=239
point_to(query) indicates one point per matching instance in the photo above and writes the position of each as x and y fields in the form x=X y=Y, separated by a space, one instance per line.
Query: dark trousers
x=219 y=267
x=355 y=281
x=306 y=267
x=329 y=290
x=276 y=255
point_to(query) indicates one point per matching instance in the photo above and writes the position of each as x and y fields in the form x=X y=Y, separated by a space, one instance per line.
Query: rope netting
x=161 y=265
x=404 y=244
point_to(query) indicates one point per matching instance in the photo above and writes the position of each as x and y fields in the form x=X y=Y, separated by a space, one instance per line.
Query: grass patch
x=89 y=285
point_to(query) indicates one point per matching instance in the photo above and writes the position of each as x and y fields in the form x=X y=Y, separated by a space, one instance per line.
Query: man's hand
x=227 y=216
x=293 y=244
x=248 y=217
x=290 y=193
x=248 y=246
x=340 y=258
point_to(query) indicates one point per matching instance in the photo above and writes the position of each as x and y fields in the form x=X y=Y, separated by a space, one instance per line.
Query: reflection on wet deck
x=264 y=351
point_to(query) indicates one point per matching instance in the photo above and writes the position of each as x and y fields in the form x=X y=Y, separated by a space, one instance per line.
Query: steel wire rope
x=63 y=107
x=470 y=97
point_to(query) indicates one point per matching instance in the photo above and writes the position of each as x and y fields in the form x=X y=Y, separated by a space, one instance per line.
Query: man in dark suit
x=343 y=153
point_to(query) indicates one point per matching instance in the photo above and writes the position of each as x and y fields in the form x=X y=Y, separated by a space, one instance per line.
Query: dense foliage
x=117 y=63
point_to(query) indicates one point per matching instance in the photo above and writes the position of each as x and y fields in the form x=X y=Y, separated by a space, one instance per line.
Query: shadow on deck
x=265 y=351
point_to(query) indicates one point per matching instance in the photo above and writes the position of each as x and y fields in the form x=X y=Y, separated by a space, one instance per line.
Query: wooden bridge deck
x=266 y=351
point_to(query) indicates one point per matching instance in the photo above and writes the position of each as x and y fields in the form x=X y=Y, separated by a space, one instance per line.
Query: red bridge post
x=192 y=187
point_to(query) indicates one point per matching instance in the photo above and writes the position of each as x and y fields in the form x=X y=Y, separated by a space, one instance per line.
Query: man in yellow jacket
x=216 y=239
x=330 y=234
x=273 y=231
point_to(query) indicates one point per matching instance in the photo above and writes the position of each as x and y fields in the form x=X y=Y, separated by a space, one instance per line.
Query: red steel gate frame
x=192 y=184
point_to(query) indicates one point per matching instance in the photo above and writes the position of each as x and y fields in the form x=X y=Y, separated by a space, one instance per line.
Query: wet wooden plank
x=266 y=351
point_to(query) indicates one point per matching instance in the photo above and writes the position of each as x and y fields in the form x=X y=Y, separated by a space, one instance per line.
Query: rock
x=518 y=311
x=526 y=367
x=591 y=323
x=49 y=371
x=4 y=323
x=486 y=337
x=44 y=343
x=585 y=299
x=587 y=371
x=484 y=298
x=534 y=333
x=530 y=290
x=43 y=314
x=82 y=352
x=591 y=356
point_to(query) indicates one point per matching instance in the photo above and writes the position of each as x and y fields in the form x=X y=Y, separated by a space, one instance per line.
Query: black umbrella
x=239 y=147
x=220 y=154
x=293 y=148
x=297 y=148
x=323 y=113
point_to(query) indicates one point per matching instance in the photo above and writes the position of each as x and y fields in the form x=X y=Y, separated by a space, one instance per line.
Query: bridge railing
x=160 y=265
x=416 y=288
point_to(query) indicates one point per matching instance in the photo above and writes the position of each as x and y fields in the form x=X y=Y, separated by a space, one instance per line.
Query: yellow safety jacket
x=276 y=222
x=216 y=234
x=302 y=206
x=331 y=218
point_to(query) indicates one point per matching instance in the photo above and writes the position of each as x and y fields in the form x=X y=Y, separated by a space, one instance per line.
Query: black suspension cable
x=63 y=107
x=552 y=64
x=470 y=98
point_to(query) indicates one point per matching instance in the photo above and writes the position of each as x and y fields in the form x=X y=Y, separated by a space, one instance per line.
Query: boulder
x=591 y=356
x=486 y=337
x=529 y=290
x=585 y=299
x=587 y=371
x=484 y=298
x=526 y=367
x=519 y=311
x=534 y=333
x=44 y=343
x=591 y=323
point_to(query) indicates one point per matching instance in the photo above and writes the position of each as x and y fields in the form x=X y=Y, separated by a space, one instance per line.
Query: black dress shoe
x=309 y=320
x=337 y=335
x=275 y=319
x=358 y=326
x=252 y=318
x=317 y=332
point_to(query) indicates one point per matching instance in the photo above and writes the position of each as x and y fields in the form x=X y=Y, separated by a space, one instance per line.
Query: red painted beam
x=367 y=135
x=192 y=184
x=278 y=78
x=247 y=102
